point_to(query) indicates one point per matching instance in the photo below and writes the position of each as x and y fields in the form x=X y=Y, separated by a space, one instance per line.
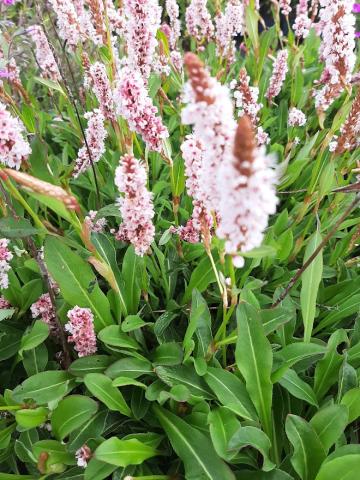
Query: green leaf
x=200 y=279
x=259 y=475
x=71 y=413
x=97 y=470
x=130 y=273
x=30 y=418
x=35 y=360
x=231 y=392
x=129 y=367
x=113 y=336
x=341 y=468
x=311 y=279
x=16 y=228
x=351 y=400
x=56 y=451
x=184 y=375
x=298 y=388
x=168 y=354
x=254 y=360
x=329 y=423
x=222 y=425
x=193 y=447
x=292 y=354
x=256 y=438
x=124 y=452
x=92 y=428
x=260 y=252
x=43 y=387
x=91 y=364
x=327 y=369
x=37 y=335
x=50 y=84
x=77 y=281
x=101 y=387
x=132 y=322
x=6 y=313
x=308 y=452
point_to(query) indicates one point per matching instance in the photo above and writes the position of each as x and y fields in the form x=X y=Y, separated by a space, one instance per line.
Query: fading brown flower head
x=244 y=146
x=348 y=139
x=199 y=77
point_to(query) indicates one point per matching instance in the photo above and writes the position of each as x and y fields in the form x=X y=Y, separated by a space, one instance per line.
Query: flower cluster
x=228 y=25
x=134 y=104
x=174 y=33
x=136 y=205
x=44 y=55
x=302 y=23
x=198 y=20
x=210 y=110
x=94 y=148
x=247 y=182
x=143 y=20
x=14 y=148
x=96 y=78
x=81 y=329
x=83 y=455
x=5 y=257
x=4 y=304
x=70 y=29
x=297 y=118
x=278 y=76
x=349 y=137
x=285 y=6
x=193 y=154
x=94 y=224
x=43 y=308
x=246 y=99
x=337 y=50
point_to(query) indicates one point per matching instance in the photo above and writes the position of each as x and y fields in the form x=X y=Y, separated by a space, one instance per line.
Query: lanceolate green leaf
x=43 y=387
x=101 y=387
x=77 y=281
x=194 y=448
x=329 y=423
x=231 y=392
x=346 y=467
x=298 y=388
x=254 y=360
x=310 y=285
x=308 y=452
x=71 y=413
x=124 y=452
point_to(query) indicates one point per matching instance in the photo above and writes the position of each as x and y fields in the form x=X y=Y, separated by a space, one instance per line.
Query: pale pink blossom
x=302 y=23
x=176 y=59
x=97 y=80
x=143 y=19
x=297 y=118
x=5 y=257
x=44 y=55
x=172 y=9
x=81 y=329
x=14 y=147
x=210 y=110
x=43 y=308
x=136 y=204
x=94 y=224
x=188 y=233
x=278 y=76
x=135 y=105
x=70 y=29
x=228 y=25
x=336 y=50
x=193 y=154
x=198 y=20
x=98 y=21
x=95 y=142
x=285 y=6
x=83 y=455
x=248 y=196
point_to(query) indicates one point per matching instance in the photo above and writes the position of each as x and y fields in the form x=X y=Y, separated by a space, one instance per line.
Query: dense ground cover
x=179 y=240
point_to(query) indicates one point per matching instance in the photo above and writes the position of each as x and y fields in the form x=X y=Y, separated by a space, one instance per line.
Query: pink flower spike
x=135 y=105
x=43 y=308
x=136 y=205
x=81 y=328
x=44 y=55
x=278 y=76
x=5 y=257
x=14 y=147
